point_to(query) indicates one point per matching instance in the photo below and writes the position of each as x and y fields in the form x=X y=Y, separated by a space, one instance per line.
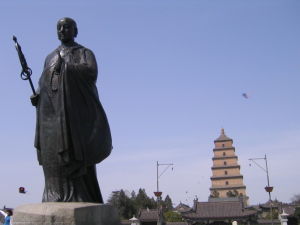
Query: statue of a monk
x=72 y=131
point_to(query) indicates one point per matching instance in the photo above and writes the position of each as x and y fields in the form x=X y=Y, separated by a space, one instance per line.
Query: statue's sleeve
x=80 y=99
x=83 y=64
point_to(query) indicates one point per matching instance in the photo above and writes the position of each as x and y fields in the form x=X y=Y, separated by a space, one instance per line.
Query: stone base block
x=73 y=213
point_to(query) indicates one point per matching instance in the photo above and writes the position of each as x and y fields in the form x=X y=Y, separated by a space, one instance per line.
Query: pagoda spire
x=223 y=137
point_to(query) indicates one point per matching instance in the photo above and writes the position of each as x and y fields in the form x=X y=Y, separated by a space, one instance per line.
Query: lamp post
x=158 y=193
x=268 y=188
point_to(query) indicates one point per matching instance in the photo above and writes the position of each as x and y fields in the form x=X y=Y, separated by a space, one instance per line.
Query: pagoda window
x=223 y=145
x=225 y=163
x=225 y=172
x=224 y=153
x=226 y=182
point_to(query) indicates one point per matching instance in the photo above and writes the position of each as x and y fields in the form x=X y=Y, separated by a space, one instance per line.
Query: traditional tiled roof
x=221 y=210
x=182 y=207
x=226 y=199
x=286 y=207
x=268 y=221
x=176 y=223
x=147 y=215
x=275 y=204
x=223 y=137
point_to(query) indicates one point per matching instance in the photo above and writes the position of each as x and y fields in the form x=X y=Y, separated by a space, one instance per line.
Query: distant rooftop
x=222 y=210
x=147 y=215
x=182 y=208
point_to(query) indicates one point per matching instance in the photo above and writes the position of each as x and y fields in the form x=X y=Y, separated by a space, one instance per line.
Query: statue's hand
x=34 y=99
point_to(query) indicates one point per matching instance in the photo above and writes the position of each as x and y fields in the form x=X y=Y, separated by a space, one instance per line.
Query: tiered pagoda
x=226 y=180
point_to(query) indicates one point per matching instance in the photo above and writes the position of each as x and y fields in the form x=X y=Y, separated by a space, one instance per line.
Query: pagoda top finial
x=223 y=136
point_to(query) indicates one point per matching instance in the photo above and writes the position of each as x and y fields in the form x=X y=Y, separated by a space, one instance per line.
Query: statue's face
x=66 y=31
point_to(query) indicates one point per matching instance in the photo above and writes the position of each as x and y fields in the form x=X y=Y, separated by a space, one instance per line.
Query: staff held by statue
x=26 y=71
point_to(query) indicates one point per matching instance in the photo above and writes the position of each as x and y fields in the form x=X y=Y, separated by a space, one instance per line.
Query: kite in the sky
x=22 y=190
x=245 y=95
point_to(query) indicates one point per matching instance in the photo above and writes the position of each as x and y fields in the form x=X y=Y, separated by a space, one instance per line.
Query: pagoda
x=226 y=180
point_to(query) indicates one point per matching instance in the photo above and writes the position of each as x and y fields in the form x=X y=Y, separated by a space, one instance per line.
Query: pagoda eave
x=225 y=167
x=224 y=157
x=224 y=149
x=225 y=140
x=227 y=177
x=228 y=187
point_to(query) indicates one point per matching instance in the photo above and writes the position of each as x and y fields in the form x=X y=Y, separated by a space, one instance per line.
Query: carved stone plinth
x=65 y=214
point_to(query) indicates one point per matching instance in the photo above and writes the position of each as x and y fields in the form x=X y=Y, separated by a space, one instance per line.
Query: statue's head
x=66 y=30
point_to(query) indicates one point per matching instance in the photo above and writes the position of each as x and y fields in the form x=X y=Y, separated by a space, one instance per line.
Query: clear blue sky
x=171 y=75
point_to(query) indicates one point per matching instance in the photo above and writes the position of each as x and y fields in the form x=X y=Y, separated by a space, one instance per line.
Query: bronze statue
x=72 y=131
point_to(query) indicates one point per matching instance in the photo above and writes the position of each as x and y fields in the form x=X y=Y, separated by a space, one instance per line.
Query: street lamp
x=158 y=193
x=268 y=188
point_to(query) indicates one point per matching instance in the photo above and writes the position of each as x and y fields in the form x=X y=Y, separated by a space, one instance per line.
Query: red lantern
x=157 y=193
x=269 y=189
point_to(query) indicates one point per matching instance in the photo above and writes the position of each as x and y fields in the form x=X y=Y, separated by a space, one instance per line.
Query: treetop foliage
x=296 y=199
x=128 y=206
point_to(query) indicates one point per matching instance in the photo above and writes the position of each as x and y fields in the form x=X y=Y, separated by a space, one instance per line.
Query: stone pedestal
x=72 y=213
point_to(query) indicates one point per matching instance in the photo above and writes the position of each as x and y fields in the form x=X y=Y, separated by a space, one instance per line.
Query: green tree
x=233 y=193
x=153 y=202
x=167 y=203
x=130 y=205
x=215 y=194
x=236 y=193
x=123 y=203
x=133 y=195
x=274 y=215
x=127 y=208
x=297 y=214
x=114 y=199
x=229 y=194
x=142 y=201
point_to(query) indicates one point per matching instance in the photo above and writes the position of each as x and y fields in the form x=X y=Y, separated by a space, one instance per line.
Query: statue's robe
x=72 y=131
